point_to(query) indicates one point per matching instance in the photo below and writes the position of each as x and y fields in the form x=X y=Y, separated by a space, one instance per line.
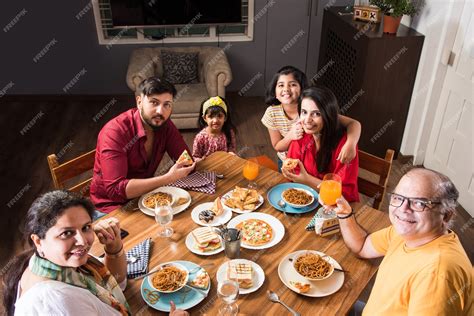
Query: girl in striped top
x=282 y=119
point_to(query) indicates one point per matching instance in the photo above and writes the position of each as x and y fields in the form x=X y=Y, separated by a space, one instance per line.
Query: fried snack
x=185 y=159
x=243 y=199
x=156 y=199
x=202 y=280
x=312 y=266
x=181 y=201
x=297 y=197
x=255 y=232
x=169 y=278
x=290 y=164
x=301 y=287
x=217 y=207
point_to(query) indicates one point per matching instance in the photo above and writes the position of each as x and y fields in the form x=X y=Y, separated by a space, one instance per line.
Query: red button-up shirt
x=121 y=156
x=304 y=149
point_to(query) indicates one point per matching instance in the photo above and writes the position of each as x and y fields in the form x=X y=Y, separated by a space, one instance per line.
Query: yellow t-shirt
x=433 y=279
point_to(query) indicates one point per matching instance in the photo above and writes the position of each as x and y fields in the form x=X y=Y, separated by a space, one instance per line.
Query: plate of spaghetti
x=274 y=196
x=179 y=199
x=184 y=298
x=171 y=277
x=308 y=276
x=297 y=197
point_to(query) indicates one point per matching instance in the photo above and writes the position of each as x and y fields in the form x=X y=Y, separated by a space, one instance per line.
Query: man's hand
x=178 y=171
x=177 y=312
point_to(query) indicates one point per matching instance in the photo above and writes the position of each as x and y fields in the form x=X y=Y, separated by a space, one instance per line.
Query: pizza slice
x=185 y=159
x=290 y=164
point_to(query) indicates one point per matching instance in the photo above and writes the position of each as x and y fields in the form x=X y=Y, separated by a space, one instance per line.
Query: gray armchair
x=214 y=75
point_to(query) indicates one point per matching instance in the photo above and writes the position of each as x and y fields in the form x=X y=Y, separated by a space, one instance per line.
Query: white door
x=450 y=149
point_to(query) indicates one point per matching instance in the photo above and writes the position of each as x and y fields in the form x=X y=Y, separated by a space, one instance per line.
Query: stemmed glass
x=228 y=291
x=164 y=216
x=250 y=172
x=330 y=189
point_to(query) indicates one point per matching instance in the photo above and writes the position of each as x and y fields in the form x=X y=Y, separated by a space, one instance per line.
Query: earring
x=41 y=253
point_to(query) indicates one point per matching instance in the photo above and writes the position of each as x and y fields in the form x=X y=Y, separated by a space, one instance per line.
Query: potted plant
x=393 y=10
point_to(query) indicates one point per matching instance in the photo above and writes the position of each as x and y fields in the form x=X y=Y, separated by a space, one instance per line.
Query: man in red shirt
x=131 y=146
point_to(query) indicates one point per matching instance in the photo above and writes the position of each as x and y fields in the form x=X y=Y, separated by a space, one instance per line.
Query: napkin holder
x=326 y=224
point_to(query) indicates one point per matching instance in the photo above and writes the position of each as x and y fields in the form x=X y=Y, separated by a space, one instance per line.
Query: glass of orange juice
x=250 y=172
x=330 y=189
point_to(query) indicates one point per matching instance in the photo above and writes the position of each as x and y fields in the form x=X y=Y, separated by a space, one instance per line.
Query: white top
x=58 y=298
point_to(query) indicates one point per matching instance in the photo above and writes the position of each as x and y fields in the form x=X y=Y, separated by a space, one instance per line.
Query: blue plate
x=184 y=298
x=274 y=196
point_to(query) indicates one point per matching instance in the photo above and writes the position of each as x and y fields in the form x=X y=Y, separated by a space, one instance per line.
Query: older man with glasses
x=425 y=270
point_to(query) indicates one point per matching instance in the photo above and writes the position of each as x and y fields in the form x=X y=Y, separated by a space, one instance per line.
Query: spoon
x=282 y=204
x=272 y=296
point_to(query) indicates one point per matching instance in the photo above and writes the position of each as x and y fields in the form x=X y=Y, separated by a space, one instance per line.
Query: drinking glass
x=164 y=216
x=330 y=189
x=228 y=291
x=250 y=172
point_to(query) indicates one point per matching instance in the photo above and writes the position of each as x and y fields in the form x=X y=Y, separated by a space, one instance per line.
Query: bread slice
x=217 y=207
x=206 y=239
x=241 y=273
x=185 y=159
x=290 y=164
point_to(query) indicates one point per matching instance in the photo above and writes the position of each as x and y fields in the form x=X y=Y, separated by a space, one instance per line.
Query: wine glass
x=330 y=189
x=228 y=291
x=164 y=216
x=250 y=172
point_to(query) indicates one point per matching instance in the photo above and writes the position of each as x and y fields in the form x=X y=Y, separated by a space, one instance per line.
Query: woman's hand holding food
x=108 y=233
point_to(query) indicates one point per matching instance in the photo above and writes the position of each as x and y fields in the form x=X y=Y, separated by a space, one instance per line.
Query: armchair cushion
x=180 y=68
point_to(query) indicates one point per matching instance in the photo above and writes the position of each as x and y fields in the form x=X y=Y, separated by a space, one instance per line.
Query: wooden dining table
x=359 y=271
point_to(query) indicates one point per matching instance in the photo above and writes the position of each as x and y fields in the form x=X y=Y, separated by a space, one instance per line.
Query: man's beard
x=148 y=121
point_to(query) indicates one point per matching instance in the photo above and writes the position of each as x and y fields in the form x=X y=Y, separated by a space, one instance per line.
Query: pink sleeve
x=348 y=172
x=233 y=143
x=198 y=148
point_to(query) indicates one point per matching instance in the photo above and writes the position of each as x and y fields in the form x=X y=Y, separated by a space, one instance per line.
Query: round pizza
x=255 y=232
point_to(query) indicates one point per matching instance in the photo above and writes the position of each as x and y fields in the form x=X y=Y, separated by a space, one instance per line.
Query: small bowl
x=169 y=264
x=331 y=269
x=298 y=205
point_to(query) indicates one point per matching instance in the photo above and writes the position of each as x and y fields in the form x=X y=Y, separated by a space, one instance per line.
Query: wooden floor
x=33 y=128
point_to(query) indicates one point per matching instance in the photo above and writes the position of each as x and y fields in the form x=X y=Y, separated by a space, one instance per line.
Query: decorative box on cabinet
x=372 y=75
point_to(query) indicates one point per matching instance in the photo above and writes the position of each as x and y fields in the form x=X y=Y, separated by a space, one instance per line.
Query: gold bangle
x=118 y=254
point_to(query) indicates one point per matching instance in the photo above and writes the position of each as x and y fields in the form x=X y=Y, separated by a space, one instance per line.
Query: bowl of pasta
x=169 y=277
x=157 y=198
x=297 y=197
x=313 y=267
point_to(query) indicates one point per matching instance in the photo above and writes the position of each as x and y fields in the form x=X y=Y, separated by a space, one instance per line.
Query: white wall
x=432 y=21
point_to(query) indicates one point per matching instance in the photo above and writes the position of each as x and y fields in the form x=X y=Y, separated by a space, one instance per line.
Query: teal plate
x=274 y=196
x=185 y=298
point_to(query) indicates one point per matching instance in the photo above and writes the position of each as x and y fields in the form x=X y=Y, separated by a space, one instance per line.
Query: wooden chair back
x=62 y=173
x=377 y=166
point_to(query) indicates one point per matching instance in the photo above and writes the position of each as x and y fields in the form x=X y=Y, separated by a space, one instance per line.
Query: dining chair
x=375 y=166
x=74 y=170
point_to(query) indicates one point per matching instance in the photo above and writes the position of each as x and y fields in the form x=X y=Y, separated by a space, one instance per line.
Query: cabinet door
x=287 y=35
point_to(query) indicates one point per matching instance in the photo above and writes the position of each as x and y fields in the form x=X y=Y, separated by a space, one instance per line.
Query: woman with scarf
x=57 y=276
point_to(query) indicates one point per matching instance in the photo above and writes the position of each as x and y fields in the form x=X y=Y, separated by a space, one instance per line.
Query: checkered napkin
x=201 y=181
x=142 y=252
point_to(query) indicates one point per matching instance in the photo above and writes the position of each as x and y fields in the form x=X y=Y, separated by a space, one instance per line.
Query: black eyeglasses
x=415 y=204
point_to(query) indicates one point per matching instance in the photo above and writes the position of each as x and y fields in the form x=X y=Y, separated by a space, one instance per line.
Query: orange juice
x=330 y=191
x=250 y=170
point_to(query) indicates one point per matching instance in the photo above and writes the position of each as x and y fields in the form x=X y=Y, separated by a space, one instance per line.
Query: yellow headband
x=214 y=101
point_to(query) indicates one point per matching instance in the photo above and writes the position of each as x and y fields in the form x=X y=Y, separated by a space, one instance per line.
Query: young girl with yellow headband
x=218 y=132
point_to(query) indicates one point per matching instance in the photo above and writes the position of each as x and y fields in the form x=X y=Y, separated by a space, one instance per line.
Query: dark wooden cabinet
x=371 y=73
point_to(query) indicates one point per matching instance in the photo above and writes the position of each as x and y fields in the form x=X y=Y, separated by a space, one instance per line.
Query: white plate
x=218 y=220
x=321 y=288
x=258 y=275
x=238 y=210
x=190 y=242
x=277 y=226
x=176 y=192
